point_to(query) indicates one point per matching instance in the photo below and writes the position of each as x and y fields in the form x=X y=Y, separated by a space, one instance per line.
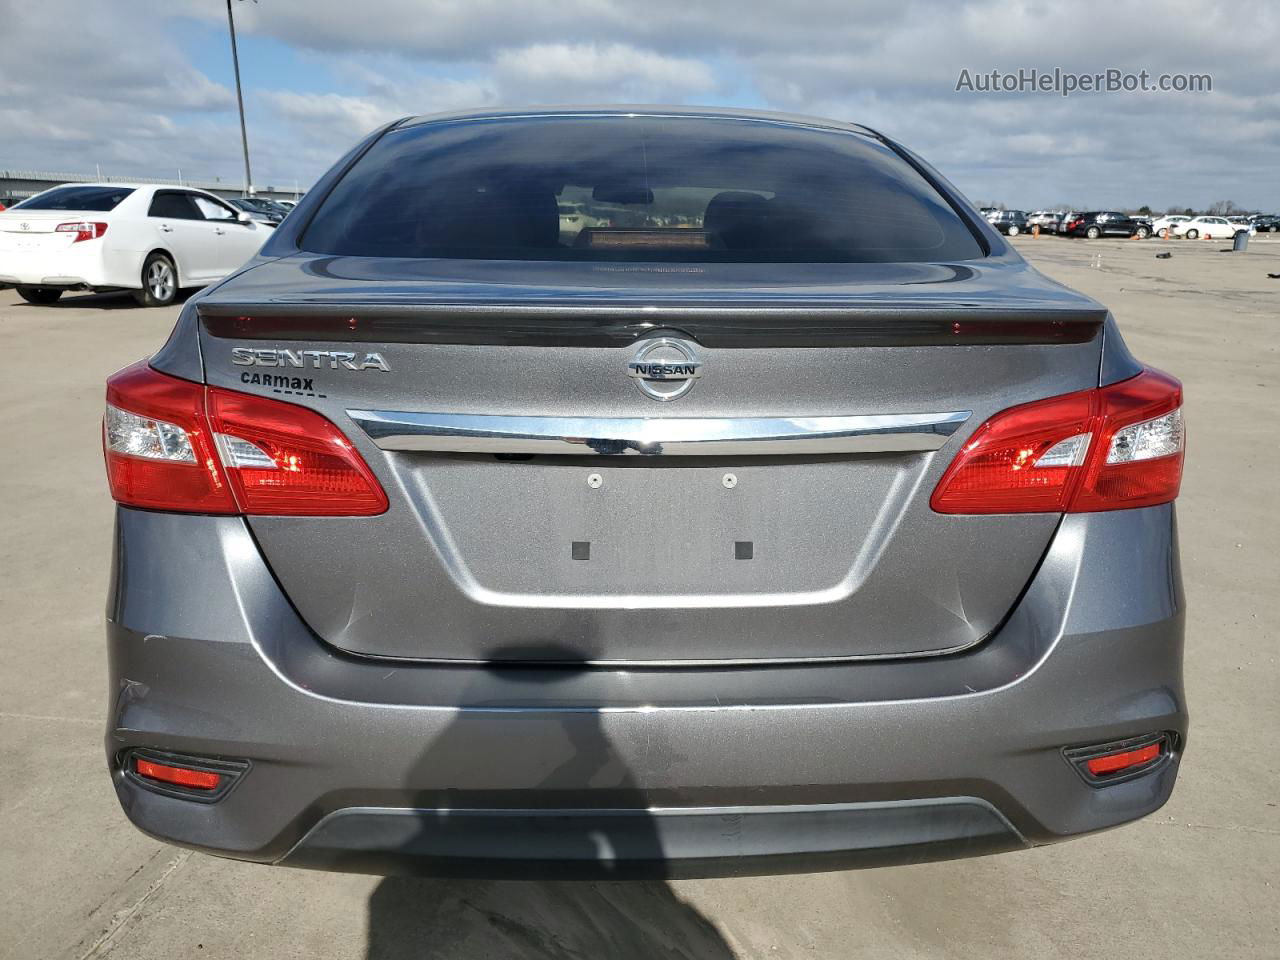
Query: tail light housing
x=284 y=459
x=83 y=229
x=175 y=445
x=1110 y=448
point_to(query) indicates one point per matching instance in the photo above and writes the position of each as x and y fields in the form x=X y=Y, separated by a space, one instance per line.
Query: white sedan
x=153 y=240
x=1209 y=228
x=1164 y=225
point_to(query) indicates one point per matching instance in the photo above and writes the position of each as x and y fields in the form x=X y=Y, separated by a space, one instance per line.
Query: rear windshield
x=76 y=198
x=636 y=189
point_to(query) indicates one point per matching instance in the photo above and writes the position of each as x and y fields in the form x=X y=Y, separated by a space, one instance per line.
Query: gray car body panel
x=840 y=541
x=423 y=690
x=208 y=658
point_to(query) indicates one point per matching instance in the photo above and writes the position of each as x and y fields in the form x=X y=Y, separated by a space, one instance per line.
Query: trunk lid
x=37 y=229
x=542 y=502
x=46 y=221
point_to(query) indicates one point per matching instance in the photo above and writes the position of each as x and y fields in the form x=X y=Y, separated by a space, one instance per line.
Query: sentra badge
x=314 y=359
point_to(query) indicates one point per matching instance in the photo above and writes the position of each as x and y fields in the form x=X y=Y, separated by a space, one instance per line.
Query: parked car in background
x=1101 y=223
x=1209 y=228
x=1046 y=220
x=1162 y=225
x=1009 y=222
x=119 y=236
x=258 y=210
x=387 y=596
x=1143 y=226
x=988 y=212
x=1266 y=222
x=1242 y=223
x=1067 y=218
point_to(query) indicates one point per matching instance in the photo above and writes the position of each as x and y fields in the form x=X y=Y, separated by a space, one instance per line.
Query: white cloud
x=586 y=72
x=119 y=89
x=337 y=115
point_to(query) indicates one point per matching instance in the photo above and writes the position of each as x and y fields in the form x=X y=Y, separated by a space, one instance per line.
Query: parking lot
x=1198 y=879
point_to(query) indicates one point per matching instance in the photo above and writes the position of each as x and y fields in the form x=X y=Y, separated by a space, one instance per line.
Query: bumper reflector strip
x=178 y=776
x=1115 y=762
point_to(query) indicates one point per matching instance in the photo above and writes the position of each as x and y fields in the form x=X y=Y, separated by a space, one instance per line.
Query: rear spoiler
x=606 y=324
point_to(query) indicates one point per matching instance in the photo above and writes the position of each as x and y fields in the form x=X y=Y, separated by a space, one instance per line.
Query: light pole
x=244 y=135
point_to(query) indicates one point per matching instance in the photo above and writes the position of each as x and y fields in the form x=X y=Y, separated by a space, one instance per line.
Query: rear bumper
x=396 y=767
x=87 y=265
x=681 y=841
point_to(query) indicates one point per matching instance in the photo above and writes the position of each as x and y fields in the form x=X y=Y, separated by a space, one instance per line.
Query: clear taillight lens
x=138 y=436
x=1158 y=437
x=1066 y=453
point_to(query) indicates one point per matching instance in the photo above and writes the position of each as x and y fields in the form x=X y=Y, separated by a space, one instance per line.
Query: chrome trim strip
x=657 y=436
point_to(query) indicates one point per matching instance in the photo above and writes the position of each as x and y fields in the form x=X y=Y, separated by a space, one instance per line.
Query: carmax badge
x=665 y=368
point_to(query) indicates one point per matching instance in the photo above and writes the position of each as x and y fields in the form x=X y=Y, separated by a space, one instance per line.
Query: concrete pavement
x=1196 y=880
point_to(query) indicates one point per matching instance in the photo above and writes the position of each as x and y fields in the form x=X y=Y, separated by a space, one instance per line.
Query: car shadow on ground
x=415 y=918
x=121 y=300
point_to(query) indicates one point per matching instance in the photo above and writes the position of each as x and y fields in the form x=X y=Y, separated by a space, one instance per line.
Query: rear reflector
x=1126 y=760
x=177 y=776
x=1121 y=760
x=172 y=444
x=1105 y=449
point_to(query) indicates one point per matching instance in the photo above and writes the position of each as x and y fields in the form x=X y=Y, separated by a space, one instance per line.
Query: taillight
x=1104 y=449
x=159 y=447
x=83 y=229
x=175 y=445
x=286 y=459
x=1137 y=459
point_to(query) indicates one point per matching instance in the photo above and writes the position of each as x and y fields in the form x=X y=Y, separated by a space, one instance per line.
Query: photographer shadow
x=461 y=916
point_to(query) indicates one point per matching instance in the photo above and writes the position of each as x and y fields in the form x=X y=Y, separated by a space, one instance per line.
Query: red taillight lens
x=83 y=229
x=287 y=460
x=175 y=445
x=1020 y=461
x=1105 y=449
x=159 y=448
x=178 y=776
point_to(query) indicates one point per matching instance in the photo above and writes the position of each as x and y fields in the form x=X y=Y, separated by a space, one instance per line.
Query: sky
x=146 y=88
